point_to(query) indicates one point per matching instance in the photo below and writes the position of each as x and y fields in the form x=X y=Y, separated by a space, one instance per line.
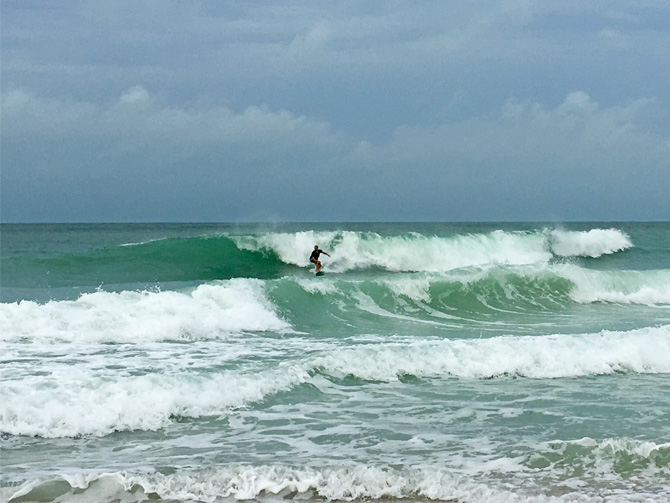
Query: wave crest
x=415 y=252
x=210 y=310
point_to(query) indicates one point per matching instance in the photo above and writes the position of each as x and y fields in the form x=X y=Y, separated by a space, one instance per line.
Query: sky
x=234 y=111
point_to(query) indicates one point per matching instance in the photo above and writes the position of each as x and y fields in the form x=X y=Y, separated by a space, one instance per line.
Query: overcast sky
x=161 y=110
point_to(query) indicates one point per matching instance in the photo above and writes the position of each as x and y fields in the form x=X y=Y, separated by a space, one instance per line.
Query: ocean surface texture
x=432 y=362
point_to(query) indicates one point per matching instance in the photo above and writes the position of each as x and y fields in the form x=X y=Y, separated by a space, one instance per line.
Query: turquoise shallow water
x=449 y=362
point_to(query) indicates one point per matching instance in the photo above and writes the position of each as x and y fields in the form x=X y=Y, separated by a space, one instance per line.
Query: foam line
x=84 y=400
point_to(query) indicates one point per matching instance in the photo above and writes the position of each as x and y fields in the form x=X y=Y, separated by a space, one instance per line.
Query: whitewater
x=511 y=362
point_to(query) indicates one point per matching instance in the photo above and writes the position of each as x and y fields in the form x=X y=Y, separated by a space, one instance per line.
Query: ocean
x=483 y=362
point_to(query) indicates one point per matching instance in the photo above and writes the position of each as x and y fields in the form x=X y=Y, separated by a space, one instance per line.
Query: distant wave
x=273 y=255
x=194 y=259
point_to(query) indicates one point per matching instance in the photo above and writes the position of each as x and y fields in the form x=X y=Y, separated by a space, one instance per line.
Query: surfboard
x=320 y=273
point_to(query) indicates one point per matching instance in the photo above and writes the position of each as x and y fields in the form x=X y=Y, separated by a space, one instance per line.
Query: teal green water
x=450 y=362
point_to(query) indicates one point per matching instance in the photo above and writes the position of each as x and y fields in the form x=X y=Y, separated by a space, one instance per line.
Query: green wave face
x=166 y=260
x=478 y=301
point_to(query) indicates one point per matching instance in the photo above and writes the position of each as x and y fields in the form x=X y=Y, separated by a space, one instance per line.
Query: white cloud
x=135 y=94
x=186 y=127
x=526 y=137
x=577 y=130
x=578 y=102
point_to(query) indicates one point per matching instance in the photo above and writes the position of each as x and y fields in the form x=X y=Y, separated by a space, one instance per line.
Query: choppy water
x=450 y=362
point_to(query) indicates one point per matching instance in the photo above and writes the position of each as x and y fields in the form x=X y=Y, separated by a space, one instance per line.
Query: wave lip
x=593 y=243
x=402 y=253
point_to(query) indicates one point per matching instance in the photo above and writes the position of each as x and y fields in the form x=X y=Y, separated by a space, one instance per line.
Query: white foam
x=352 y=483
x=208 y=311
x=86 y=401
x=643 y=351
x=292 y=248
x=98 y=394
x=321 y=286
x=593 y=243
x=417 y=289
x=332 y=484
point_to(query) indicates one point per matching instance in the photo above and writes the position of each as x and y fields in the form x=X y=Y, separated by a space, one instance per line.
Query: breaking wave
x=234 y=306
x=414 y=252
x=273 y=255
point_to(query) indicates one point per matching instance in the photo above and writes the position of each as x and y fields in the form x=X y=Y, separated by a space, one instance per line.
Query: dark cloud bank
x=166 y=111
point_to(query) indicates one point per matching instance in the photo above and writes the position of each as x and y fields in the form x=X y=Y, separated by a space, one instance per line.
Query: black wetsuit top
x=315 y=255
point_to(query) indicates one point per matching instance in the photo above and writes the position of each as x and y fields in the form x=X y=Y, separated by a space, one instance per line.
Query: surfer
x=314 y=257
